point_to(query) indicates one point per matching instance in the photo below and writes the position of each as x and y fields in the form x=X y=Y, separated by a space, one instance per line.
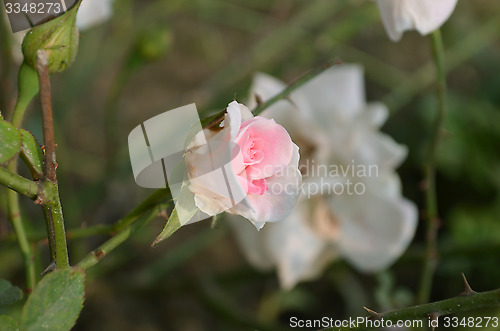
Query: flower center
x=251 y=152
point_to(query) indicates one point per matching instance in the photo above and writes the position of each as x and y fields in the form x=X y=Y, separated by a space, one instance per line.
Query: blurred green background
x=153 y=56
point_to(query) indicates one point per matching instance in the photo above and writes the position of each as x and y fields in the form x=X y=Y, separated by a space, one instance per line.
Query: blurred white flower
x=424 y=16
x=370 y=226
x=93 y=12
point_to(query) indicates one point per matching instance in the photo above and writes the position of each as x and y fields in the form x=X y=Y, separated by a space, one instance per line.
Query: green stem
x=292 y=87
x=55 y=224
x=18 y=183
x=431 y=258
x=14 y=212
x=150 y=202
x=217 y=118
x=99 y=229
x=468 y=46
x=27 y=89
x=460 y=304
x=6 y=59
x=96 y=255
x=71 y=234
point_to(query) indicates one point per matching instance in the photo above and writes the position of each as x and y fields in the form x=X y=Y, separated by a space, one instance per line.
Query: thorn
x=99 y=254
x=215 y=221
x=51 y=267
x=234 y=97
x=468 y=290
x=163 y=214
x=373 y=313
x=258 y=99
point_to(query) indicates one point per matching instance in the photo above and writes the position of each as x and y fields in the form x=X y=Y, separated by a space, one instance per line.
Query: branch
x=47 y=122
x=293 y=86
x=96 y=255
x=460 y=304
x=20 y=184
x=133 y=221
x=431 y=258
x=219 y=117
x=52 y=209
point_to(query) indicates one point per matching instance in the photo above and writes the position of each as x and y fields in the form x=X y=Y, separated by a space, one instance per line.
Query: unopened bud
x=58 y=37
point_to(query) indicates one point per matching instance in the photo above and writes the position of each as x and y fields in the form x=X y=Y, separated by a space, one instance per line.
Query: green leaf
x=31 y=153
x=7 y=323
x=186 y=206
x=9 y=294
x=56 y=302
x=10 y=141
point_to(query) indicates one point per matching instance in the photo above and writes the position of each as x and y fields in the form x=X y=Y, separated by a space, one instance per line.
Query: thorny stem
x=136 y=219
x=52 y=209
x=134 y=223
x=293 y=86
x=217 y=118
x=47 y=122
x=460 y=304
x=432 y=221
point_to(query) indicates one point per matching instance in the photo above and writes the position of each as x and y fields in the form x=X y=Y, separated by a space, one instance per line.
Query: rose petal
x=278 y=201
x=270 y=139
x=424 y=16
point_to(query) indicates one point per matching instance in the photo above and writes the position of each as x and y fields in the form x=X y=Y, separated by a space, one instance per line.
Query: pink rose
x=260 y=161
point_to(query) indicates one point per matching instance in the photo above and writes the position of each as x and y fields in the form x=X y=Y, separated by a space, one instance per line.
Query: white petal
x=212 y=177
x=422 y=15
x=264 y=87
x=336 y=95
x=429 y=15
x=283 y=111
x=93 y=12
x=232 y=119
x=375 y=229
x=296 y=249
x=253 y=243
x=375 y=148
x=362 y=143
x=376 y=114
